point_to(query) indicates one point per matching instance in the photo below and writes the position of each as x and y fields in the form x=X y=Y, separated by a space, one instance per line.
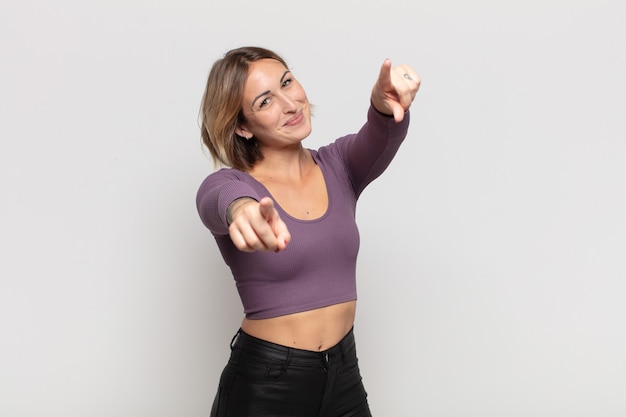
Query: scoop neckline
x=283 y=211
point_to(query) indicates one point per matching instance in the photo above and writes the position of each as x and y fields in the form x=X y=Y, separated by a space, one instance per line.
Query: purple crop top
x=318 y=267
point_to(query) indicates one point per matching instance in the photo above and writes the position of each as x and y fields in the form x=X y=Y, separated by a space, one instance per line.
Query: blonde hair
x=221 y=109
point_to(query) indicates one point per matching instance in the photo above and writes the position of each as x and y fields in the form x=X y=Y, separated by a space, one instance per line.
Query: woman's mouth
x=295 y=120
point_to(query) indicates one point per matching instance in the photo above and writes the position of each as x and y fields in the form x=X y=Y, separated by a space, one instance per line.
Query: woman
x=283 y=218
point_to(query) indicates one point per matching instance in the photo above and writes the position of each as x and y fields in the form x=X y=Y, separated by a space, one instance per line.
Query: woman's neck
x=284 y=164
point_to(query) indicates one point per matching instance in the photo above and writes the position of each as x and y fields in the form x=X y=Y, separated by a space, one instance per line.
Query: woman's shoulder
x=231 y=178
x=227 y=174
x=334 y=149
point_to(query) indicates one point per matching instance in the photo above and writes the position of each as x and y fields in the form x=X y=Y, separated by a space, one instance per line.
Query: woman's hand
x=395 y=90
x=257 y=226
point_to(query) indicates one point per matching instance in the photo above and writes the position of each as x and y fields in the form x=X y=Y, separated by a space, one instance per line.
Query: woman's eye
x=264 y=102
x=286 y=82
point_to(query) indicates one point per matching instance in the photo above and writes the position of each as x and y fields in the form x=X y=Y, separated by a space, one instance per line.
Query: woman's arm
x=228 y=205
x=368 y=153
x=256 y=225
x=395 y=90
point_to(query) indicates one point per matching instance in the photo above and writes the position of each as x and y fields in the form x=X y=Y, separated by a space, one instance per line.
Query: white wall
x=492 y=268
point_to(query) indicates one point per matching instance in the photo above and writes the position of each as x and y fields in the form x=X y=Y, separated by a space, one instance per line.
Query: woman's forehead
x=266 y=67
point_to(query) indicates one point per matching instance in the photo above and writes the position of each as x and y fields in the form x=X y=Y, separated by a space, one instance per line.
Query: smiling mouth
x=295 y=119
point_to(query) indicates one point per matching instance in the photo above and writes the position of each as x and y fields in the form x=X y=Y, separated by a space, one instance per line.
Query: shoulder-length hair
x=221 y=110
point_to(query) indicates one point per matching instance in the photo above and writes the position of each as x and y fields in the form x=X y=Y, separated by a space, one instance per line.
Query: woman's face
x=275 y=106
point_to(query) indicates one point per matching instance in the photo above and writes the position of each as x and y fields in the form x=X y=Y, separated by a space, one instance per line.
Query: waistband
x=344 y=350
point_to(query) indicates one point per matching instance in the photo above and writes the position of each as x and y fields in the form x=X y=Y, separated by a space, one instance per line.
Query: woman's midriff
x=315 y=330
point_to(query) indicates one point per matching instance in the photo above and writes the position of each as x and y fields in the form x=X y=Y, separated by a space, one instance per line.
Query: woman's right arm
x=228 y=205
x=256 y=225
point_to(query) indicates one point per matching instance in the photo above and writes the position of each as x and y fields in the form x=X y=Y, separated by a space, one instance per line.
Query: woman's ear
x=243 y=132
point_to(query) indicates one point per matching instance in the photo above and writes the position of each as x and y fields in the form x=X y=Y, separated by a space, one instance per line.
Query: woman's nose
x=289 y=103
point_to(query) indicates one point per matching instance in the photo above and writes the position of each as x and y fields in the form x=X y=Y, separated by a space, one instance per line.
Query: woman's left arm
x=369 y=152
x=395 y=90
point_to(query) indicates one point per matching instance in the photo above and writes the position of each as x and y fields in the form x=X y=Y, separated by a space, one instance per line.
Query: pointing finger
x=281 y=235
x=384 y=77
x=266 y=208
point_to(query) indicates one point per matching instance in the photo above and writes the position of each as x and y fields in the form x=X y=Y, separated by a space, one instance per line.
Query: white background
x=492 y=269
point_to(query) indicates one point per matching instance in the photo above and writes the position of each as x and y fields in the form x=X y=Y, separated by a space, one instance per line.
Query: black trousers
x=263 y=379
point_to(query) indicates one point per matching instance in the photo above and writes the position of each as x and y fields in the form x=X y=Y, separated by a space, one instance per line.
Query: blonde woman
x=283 y=217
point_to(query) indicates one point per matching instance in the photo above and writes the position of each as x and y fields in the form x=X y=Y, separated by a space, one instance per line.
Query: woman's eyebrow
x=268 y=91
x=259 y=96
x=284 y=75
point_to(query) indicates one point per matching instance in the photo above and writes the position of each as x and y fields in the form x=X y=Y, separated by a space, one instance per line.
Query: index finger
x=266 y=208
x=384 y=76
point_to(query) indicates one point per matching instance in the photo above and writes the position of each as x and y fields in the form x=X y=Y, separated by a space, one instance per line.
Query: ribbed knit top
x=318 y=267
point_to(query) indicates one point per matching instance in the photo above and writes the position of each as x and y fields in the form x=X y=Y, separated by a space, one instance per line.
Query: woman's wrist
x=376 y=107
x=235 y=206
